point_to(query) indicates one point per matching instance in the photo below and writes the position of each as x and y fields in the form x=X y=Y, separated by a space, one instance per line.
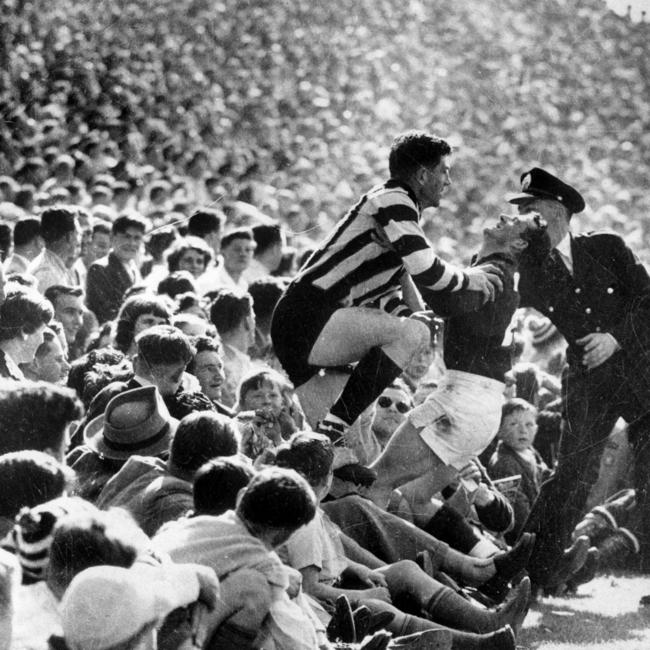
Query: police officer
x=597 y=293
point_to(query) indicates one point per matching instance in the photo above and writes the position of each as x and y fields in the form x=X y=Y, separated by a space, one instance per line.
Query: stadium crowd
x=171 y=171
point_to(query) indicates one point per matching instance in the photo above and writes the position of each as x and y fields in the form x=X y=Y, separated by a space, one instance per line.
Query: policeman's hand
x=598 y=347
x=485 y=278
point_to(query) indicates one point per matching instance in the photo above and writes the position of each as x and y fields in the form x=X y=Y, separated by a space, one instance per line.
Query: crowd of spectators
x=165 y=169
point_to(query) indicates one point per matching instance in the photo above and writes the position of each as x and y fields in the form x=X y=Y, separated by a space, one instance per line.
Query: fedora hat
x=134 y=422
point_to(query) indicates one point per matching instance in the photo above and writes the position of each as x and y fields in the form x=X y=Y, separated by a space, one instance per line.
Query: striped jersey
x=362 y=261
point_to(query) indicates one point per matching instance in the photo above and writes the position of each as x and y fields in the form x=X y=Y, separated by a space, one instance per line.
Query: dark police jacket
x=609 y=291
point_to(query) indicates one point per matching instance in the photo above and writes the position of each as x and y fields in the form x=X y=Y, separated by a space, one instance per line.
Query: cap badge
x=525 y=183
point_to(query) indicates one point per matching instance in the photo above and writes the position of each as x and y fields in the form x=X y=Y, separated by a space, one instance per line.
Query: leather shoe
x=587 y=572
x=569 y=563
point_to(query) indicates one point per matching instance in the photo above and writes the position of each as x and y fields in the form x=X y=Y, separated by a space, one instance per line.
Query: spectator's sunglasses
x=386 y=402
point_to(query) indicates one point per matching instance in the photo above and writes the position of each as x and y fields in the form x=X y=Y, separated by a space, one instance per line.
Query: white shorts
x=461 y=417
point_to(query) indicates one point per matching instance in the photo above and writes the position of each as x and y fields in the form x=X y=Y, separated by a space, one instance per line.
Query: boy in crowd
x=516 y=455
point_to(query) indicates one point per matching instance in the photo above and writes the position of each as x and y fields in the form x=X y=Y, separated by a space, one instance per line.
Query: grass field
x=604 y=615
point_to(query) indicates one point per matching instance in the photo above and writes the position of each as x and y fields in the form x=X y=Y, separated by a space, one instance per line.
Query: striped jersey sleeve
x=399 y=218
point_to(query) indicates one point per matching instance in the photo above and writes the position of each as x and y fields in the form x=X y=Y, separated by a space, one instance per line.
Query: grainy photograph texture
x=324 y=325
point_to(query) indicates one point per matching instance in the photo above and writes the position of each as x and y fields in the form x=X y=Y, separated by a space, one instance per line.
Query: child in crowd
x=267 y=411
x=516 y=455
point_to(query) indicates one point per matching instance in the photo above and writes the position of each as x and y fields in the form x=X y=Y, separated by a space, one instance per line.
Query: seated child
x=516 y=455
x=328 y=571
x=266 y=411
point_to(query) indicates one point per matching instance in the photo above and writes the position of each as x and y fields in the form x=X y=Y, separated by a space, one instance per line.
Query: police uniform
x=607 y=291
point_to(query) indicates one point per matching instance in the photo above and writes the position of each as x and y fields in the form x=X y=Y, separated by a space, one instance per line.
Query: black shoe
x=512 y=562
x=341 y=626
x=570 y=562
x=587 y=572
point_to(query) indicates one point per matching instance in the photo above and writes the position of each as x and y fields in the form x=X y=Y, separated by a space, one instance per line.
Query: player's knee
x=415 y=335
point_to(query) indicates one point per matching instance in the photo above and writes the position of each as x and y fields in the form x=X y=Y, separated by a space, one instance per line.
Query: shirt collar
x=564 y=247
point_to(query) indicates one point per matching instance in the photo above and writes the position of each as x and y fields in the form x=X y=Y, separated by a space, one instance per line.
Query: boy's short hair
x=126 y=221
x=309 y=454
x=164 y=345
x=217 y=484
x=201 y=436
x=277 y=498
x=255 y=379
x=516 y=404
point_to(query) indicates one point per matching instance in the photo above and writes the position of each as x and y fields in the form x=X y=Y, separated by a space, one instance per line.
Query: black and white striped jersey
x=362 y=261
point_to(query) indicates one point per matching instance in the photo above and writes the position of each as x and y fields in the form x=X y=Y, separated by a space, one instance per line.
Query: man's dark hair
x=26 y=230
x=201 y=436
x=203 y=344
x=130 y=310
x=413 y=150
x=57 y=223
x=267 y=235
x=35 y=416
x=102 y=227
x=163 y=345
x=88 y=362
x=310 y=454
x=205 y=221
x=52 y=293
x=29 y=478
x=160 y=240
x=539 y=244
x=177 y=282
x=229 y=309
x=126 y=221
x=266 y=293
x=217 y=484
x=23 y=311
x=277 y=498
x=239 y=233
